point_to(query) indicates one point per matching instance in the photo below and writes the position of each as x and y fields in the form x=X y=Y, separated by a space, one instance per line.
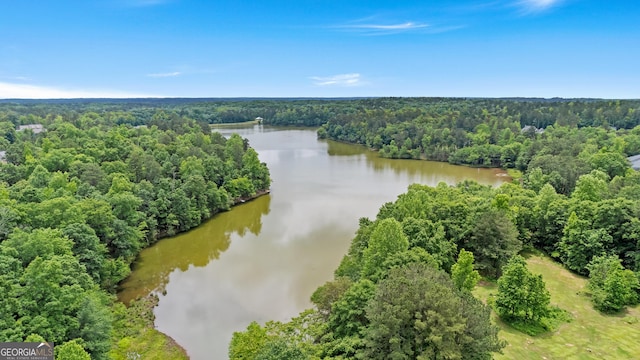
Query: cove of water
x=263 y=259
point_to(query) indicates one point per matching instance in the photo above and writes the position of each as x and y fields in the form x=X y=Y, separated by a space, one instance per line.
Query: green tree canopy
x=493 y=241
x=247 y=344
x=462 y=272
x=612 y=286
x=418 y=313
x=521 y=295
x=386 y=239
x=71 y=350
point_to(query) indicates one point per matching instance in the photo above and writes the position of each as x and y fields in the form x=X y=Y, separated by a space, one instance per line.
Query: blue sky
x=319 y=48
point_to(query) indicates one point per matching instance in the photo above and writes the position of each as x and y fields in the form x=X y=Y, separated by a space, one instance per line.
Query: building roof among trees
x=529 y=127
x=36 y=128
x=635 y=161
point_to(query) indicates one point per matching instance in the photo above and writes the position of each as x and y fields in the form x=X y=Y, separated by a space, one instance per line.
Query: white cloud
x=537 y=5
x=383 y=29
x=161 y=75
x=23 y=91
x=404 y=26
x=343 y=80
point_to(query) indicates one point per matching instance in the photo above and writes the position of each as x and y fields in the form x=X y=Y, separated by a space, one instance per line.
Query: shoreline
x=244 y=123
x=236 y=202
x=150 y=300
x=498 y=171
x=242 y=200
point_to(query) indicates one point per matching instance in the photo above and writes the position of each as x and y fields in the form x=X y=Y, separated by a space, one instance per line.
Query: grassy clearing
x=148 y=344
x=590 y=334
x=134 y=335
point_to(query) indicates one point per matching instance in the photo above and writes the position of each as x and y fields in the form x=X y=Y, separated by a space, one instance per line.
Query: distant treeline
x=460 y=113
x=509 y=133
x=564 y=138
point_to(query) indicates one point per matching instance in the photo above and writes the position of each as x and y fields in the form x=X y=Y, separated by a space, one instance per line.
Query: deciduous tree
x=521 y=295
x=612 y=286
x=462 y=272
x=386 y=239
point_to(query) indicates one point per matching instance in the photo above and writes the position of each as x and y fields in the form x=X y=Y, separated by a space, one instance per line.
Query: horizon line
x=308 y=97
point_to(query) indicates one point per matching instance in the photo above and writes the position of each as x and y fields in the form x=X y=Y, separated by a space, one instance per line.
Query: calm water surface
x=262 y=260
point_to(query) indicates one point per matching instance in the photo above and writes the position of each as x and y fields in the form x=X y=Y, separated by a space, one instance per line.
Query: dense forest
x=578 y=201
x=452 y=113
x=79 y=198
x=99 y=180
x=563 y=139
x=402 y=290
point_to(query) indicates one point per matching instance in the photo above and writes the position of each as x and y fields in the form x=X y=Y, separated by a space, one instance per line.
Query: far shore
x=244 y=123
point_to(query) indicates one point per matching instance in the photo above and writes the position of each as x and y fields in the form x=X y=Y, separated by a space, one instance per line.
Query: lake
x=263 y=259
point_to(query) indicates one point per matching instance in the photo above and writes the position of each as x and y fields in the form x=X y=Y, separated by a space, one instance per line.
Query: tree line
x=565 y=140
x=457 y=113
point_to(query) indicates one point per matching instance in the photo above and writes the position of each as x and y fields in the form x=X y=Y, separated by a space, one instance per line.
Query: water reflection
x=427 y=172
x=335 y=148
x=271 y=254
x=196 y=247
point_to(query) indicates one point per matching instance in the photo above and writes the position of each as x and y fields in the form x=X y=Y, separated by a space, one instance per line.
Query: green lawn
x=590 y=335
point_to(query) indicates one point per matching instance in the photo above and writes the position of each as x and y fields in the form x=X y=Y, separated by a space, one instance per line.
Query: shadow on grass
x=543 y=327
